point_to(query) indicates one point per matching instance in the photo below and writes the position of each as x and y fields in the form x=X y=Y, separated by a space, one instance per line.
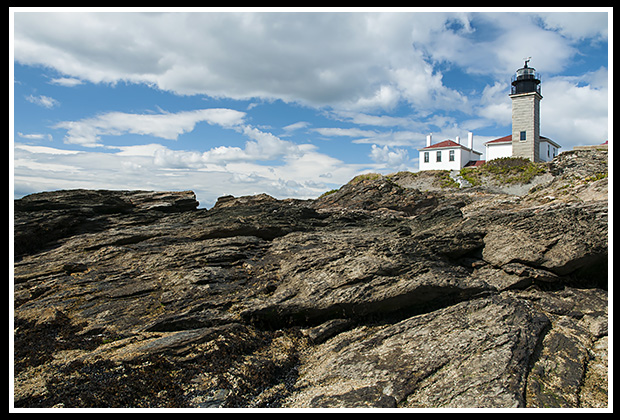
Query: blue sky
x=283 y=102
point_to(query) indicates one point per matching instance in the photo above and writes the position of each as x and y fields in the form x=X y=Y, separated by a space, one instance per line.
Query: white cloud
x=66 y=81
x=224 y=155
x=43 y=167
x=344 y=132
x=45 y=150
x=354 y=61
x=296 y=126
x=155 y=167
x=395 y=159
x=350 y=60
x=384 y=97
x=574 y=113
x=42 y=100
x=361 y=118
x=260 y=146
x=394 y=138
x=547 y=37
x=177 y=159
x=88 y=132
x=266 y=146
x=140 y=150
x=586 y=24
x=494 y=104
x=35 y=136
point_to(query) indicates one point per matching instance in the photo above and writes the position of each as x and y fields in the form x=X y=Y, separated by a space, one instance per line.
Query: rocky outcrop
x=41 y=219
x=376 y=295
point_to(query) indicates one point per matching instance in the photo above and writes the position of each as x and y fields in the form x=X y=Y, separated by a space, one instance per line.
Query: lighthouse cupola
x=525 y=80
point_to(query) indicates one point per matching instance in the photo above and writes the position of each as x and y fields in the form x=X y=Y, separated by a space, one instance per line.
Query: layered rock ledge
x=377 y=295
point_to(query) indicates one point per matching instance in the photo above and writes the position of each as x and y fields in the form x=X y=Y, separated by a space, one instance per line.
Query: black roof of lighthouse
x=525 y=80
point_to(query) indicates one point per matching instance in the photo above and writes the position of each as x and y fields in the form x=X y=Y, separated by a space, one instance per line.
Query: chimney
x=429 y=139
x=470 y=140
x=458 y=139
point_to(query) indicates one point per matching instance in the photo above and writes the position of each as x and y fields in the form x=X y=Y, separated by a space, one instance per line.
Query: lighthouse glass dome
x=525 y=80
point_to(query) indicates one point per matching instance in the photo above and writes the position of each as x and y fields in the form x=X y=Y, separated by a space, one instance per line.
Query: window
x=438 y=156
x=522 y=136
x=451 y=156
x=548 y=150
x=426 y=158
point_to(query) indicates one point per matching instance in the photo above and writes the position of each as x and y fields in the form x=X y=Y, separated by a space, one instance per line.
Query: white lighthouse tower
x=525 y=95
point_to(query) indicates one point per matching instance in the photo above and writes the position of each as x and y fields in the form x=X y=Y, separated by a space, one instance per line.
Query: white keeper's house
x=502 y=147
x=525 y=140
x=448 y=154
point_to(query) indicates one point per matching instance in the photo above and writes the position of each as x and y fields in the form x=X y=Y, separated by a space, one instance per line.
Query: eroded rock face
x=374 y=296
x=471 y=354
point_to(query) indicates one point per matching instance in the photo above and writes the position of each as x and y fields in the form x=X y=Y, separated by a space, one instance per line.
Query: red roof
x=445 y=143
x=504 y=139
x=475 y=163
x=508 y=139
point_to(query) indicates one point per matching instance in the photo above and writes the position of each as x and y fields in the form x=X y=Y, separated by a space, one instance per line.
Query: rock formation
x=376 y=295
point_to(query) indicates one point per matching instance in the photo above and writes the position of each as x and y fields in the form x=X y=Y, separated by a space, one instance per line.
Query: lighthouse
x=525 y=95
x=525 y=140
